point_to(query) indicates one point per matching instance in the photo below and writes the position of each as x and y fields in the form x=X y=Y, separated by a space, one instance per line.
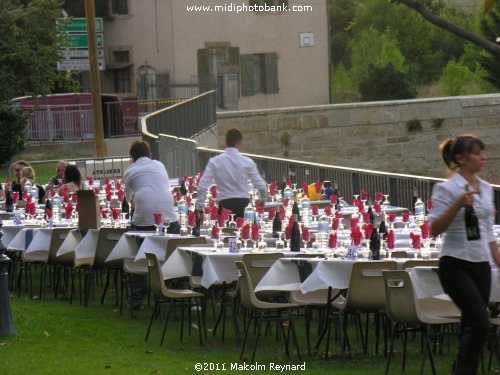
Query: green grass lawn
x=55 y=337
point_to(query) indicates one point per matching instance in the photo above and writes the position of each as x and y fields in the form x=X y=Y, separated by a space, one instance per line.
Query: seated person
x=28 y=174
x=17 y=168
x=60 y=167
x=72 y=180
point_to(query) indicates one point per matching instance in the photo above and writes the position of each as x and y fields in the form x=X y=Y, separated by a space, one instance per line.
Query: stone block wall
x=371 y=135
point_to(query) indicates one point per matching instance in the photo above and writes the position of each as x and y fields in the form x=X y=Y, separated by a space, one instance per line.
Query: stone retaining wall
x=371 y=135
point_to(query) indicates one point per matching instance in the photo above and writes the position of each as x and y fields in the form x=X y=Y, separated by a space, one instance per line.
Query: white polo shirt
x=147 y=183
x=455 y=242
x=230 y=171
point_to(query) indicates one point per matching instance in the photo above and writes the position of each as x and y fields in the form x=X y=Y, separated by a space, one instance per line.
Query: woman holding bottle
x=463 y=209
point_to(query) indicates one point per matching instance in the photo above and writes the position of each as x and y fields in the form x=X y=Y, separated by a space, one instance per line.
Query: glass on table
x=280 y=244
x=262 y=244
x=232 y=223
x=364 y=252
x=158 y=217
x=165 y=224
x=342 y=250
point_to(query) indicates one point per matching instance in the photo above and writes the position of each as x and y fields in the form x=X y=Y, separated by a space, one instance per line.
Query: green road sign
x=81 y=41
x=79 y=25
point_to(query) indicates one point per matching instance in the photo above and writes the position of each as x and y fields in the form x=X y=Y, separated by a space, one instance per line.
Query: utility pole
x=95 y=84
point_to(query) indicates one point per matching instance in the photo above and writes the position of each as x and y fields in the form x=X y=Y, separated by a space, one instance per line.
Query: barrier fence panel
x=56 y=125
x=97 y=168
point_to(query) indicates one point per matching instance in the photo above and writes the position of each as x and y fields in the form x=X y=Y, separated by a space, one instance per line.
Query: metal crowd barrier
x=110 y=166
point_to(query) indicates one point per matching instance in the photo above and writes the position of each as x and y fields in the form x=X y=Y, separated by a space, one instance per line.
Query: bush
x=12 y=131
x=385 y=83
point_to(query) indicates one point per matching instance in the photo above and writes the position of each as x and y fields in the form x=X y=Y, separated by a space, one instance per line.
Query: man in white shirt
x=230 y=171
x=147 y=189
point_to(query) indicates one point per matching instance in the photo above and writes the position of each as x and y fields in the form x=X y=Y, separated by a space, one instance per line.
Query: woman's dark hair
x=233 y=136
x=139 y=149
x=72 y=174
x=462 y=144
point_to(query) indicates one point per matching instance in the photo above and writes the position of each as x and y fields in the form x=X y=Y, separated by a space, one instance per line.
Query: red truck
x=60 y=117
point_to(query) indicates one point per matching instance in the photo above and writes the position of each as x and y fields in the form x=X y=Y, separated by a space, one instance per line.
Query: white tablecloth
x=132 y=248
x=218 y=267
x=10 y=230
x=326 y=273
x=284 y=275
x=426 y=283
x=127 y=246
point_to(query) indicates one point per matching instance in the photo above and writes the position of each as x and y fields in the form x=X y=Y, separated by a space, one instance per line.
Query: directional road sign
x=79 y=53
x=77 y=64
x=81 y=41
x=79 y=25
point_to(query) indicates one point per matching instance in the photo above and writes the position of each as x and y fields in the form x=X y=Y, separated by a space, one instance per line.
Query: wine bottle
x=295 y=237
x=277 y=226
x=48 y=204
x=196 y=228
x=125 y=207
x=375 y=244
x=383 y=229
x=183 y=188
x=296 y=212
x=471 y=224
x=372 y=216
x=9 y=201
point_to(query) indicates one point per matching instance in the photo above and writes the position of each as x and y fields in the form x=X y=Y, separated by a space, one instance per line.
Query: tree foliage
x=12 y=131
x=490 y=29
x=385 y=83
x=425 y=48
x=341 y=15
x=422 y=8
x=29 y=48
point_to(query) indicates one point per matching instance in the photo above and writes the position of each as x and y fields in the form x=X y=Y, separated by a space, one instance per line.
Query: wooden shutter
x=247 y=75
x=271 y=73
x=204 y=77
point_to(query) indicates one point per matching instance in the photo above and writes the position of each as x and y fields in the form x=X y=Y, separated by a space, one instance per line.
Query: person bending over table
x=464 y=264
x=230 y=171
x=147 y=188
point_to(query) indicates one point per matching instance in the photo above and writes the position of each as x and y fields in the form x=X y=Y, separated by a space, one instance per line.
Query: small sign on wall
x=306 y=39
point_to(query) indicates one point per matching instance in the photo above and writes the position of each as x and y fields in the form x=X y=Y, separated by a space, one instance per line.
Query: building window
x=122 y=80
x=120 y=6
x=259 y=74
x=121 y=56
x=218 y=64
x=271 y=3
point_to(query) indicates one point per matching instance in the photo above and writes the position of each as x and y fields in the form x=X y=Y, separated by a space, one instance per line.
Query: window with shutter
x=204 y=76
x=120 y=6
x=259 y=73
x=271 y=73
x=248 y=75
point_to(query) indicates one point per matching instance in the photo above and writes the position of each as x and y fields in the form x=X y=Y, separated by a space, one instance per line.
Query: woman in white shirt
x=464 y=265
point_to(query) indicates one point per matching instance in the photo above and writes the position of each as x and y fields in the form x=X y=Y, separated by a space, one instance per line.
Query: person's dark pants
x=236 y=205
x=138 y=284
x=468 y=284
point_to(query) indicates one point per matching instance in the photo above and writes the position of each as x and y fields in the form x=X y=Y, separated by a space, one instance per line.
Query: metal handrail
x=402 y=188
